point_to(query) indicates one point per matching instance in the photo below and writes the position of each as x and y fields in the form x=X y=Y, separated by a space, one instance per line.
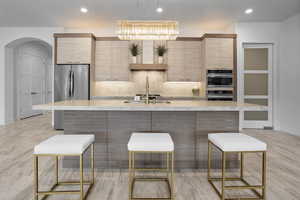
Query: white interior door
x=257 y=84
x=31 y=84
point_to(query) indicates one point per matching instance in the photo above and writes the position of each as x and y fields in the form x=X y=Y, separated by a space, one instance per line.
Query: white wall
x=9 y=34
x=289 y=70
x=260 y=33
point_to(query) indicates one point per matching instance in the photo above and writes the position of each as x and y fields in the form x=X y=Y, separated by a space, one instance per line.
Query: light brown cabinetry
x=112 y=61
x=184 y=61
x=74 y=50
x=218 y=53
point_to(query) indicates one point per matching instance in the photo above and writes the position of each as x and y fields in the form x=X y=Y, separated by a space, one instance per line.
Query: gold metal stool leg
x=92 y=164
x=172 y=176
x=264 y=172
x=223 y=174
x=35 y=177
x=242 y=165
x=81 y=177
x=168 y=164
x=129 y=176
x=208 y=161
x=56 y=169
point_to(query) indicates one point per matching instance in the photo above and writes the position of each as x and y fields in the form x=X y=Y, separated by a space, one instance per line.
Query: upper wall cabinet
x=74 y=48
x=112 y=58
x=218 y=53
x=184 y=60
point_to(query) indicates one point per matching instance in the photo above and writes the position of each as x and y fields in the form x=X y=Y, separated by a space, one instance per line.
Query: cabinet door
x=192 y=60
x=102 y=62
x=184 y=61
x=226 y=53
x=119 y=61
x=74 y=50
x=219 y=53
x=112 y=61
x=175 y=61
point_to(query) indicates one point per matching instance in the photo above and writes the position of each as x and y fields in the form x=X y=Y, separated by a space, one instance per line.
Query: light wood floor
x=17 y=141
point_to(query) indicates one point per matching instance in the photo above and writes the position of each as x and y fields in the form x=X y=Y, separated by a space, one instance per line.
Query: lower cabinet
x=88 y=122
x=120 y=127
x=189 y=131
x=214 y=122
x=181 y=126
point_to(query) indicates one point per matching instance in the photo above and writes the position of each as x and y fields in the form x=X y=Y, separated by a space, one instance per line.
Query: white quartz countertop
x=119 y=105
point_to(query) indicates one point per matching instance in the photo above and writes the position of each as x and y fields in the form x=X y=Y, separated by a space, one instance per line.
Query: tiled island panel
x=188 y=130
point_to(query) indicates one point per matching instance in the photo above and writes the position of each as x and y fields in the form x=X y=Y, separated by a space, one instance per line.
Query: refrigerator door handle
x=72 y=83
x=69 y=84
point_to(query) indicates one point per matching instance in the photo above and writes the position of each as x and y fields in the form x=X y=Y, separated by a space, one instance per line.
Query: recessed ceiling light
x=159 y=9
x=249 y=11
x=83 y=9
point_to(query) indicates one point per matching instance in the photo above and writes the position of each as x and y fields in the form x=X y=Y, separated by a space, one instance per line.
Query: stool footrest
x=59 y=192
x=226 y=179
x=243 y=187
x=53 y=191
x=248 y=198
x=74 y=183
x=151 y=179
x=246 y=186
x=151 y=169
x=167 y=180
x=148 y=198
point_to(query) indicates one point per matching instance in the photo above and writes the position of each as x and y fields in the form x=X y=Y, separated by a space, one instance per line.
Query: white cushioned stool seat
x=64 y=144
x=150 y=142
x=236 y=142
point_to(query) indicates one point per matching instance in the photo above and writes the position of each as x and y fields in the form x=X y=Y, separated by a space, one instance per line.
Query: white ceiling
x=66 y=12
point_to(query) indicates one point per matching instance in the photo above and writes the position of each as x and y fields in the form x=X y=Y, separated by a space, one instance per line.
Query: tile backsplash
x=158 y=85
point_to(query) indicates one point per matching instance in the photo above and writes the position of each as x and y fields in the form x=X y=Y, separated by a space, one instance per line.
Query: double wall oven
x=220 y=85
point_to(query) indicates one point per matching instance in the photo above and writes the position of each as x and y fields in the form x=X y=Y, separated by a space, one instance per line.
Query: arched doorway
x=28 y=75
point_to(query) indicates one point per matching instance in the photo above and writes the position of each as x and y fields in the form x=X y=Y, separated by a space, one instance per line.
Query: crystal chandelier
x=148 y=30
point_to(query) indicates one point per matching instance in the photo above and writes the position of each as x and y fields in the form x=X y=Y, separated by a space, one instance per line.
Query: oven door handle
x=219 y=75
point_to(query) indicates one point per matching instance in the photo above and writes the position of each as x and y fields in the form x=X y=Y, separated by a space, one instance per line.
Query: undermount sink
x=151 y=101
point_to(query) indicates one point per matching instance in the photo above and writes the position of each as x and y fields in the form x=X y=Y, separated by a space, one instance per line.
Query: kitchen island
x=113 y=121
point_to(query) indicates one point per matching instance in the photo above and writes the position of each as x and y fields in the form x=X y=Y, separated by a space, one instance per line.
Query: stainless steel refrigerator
x=71 y=82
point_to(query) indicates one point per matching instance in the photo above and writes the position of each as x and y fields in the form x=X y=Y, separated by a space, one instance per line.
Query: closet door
x=257 y=84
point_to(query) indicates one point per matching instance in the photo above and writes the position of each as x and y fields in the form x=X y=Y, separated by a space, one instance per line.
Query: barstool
x=160 y=143
x=237 y=143
x=64 y=145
